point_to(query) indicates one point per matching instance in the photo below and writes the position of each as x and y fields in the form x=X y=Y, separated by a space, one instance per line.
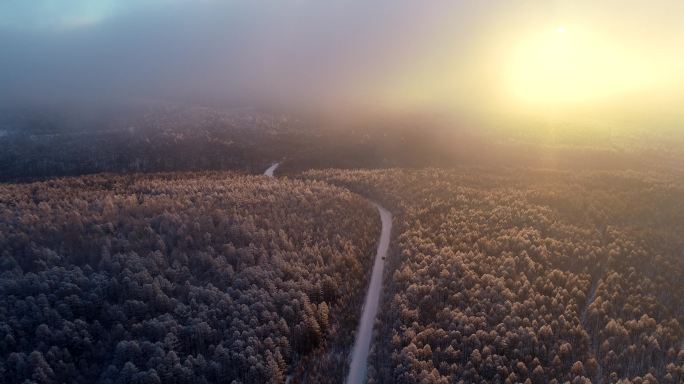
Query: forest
x=179 y=278
x=39 y=144
x=496 y=274
x=534 y=276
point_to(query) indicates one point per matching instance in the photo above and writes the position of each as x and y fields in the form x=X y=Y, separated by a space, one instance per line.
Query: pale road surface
x=598 y=379
x=359 y=357
x=271 y=169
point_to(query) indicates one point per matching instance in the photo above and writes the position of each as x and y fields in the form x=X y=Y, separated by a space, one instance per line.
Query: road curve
x=359 y=358
x=271 y=169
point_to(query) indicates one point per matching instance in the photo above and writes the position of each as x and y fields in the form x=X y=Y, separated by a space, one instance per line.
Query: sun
x=556 y=67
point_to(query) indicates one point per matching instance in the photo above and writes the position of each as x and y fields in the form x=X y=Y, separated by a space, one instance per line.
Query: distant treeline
x=39 y=146
x=42 y=145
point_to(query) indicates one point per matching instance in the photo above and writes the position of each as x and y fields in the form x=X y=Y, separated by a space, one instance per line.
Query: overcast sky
x=304 y=52
x=176 y=49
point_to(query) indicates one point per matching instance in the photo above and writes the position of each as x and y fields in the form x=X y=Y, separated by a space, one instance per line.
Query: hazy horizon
x=498 y=64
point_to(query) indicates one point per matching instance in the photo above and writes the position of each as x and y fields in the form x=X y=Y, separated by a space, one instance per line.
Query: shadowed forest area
x=179 y=278
x=529 y=276
x=39 y=143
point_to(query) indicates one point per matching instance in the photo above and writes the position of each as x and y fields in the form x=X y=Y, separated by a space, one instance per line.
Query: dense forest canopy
x=529 y=276
x=179 y=278
x=497 y=275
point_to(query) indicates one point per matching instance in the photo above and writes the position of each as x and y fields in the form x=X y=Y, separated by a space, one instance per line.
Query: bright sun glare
x=569 y=67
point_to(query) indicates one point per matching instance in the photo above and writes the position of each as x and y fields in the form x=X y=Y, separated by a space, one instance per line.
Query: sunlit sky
x=493 y=58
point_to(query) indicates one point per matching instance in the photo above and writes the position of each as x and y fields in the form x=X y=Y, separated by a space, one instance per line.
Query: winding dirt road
x=359 y=356
x=269 y=172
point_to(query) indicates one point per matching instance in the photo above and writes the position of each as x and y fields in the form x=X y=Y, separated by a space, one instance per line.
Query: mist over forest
x=364 y=191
